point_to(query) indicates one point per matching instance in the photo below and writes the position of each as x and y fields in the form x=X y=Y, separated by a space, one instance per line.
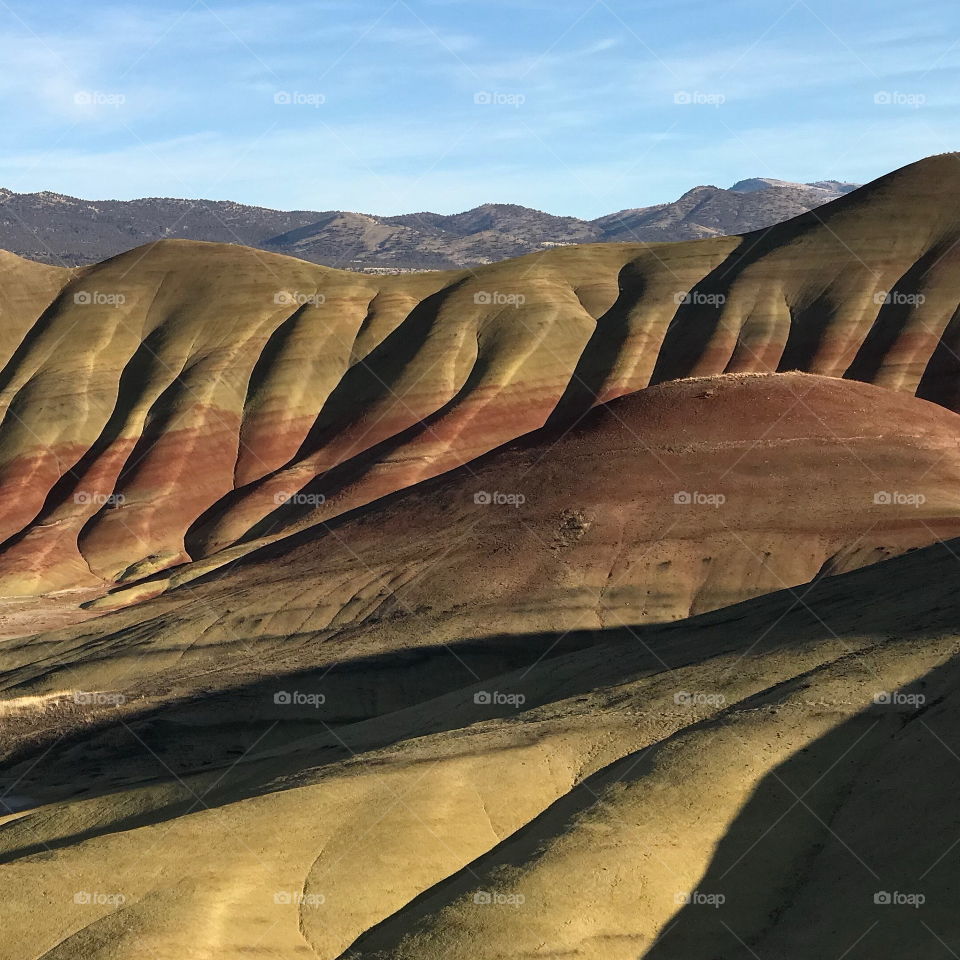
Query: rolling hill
x=665 y=791
x=189 y=402
x=598 y=603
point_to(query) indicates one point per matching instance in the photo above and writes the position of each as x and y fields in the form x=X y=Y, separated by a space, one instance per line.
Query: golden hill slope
x=769 y=754
x=350 y=708
x=347 y=743
x=164 y=405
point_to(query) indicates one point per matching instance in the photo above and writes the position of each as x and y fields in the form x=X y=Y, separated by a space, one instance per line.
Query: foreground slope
x=757 y=763
x=435 y=728
x=160 y=407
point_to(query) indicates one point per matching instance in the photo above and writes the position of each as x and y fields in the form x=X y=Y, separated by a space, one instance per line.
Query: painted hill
x=519 y=611
x=659 y=792
x=677 y=500
x=176 y=402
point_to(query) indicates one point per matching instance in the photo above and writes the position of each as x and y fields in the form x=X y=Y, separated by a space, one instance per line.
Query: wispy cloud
x=394 y=105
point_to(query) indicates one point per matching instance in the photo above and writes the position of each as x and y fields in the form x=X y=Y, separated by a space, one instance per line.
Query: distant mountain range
x=53 y=228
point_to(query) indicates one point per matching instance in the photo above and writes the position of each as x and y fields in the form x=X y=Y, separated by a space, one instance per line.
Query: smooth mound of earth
x=401 y=734
x=751 y=782
x=677 y=500
x=527 y=612
x=158 y=408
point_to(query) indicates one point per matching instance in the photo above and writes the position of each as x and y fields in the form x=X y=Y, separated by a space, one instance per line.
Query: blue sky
x=578 y=108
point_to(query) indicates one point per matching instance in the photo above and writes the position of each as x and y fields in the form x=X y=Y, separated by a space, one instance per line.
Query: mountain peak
x=752 y=184
x=55 y=228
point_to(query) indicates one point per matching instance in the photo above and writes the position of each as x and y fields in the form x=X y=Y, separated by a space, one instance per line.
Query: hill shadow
x=374 y=702
x=829 y=839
